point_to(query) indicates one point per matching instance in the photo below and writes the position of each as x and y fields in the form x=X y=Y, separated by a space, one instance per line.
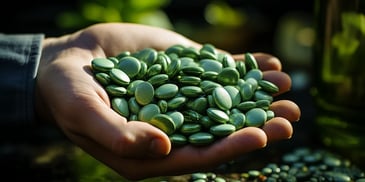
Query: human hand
x=67 y=94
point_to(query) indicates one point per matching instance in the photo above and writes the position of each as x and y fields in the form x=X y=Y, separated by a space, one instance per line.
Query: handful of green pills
x=193 y=95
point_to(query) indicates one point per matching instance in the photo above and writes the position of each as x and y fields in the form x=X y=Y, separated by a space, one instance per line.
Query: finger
x=134 y=37
x=264 y=60
x=186 y=159
x=286 y=109
x=278 y=128
x=280 y=79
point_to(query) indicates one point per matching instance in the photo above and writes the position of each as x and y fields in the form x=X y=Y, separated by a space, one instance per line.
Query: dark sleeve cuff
x=19 y=59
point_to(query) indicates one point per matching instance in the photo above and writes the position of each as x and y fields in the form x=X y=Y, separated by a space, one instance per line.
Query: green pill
x=201 y=138
x=192 y=70
x=176 y=102
x=116 y=91
x=103 y=78
x=247 y=105
x=119 y=77
x=268 y=86
x=209 y=75
x=263 y=104
x=158 y=79
x=177 y=139
x=131 y=89
x=129 y=65
x=189 y=80
x=234 y=94
x=142 y=72
x=255 y=74
x=133 y=105
x=270 y=114
x=228 y=76
x=256 y=117
x=208 y=86
x=222 y=98
x=222 y=129
x=144 y=93
x=163 y=105
x=246 y=91
x=238 y=120
x=228 y=61
x=241 y=68
x=154 y=70
x=177 y=117
x=163 y=122
x=199 y=105
x=191 y=91
x=250 y=61
x=102 y=64
x=211 y=65
x=147 y=55
x=217 y=115
x=166 y=91
x=173 y=68
x=262 y=95
x=120 y=105
x=190 y=128
x=148 y=111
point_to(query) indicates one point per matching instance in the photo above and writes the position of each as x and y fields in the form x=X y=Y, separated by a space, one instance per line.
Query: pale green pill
x=102 y=64
x=144 y=93
x=201 y=138
x=131 y=89
x=262 y=95
x=228 y=76
x=222 y=98
x=217 y=115
x=120 y=105
x=211 y=65
x=163 y=122
x=238 y=120
x=256 y=117
x=234 y=94
x=255 y=74
x=222 y=129
x=134 y=107
x=166 y=91
x=148 y=111
x=130 y=65
x=119 y=77
x=177 y=117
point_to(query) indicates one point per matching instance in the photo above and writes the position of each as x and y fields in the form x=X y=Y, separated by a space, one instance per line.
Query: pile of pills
x=301 y=164
x=193 y=95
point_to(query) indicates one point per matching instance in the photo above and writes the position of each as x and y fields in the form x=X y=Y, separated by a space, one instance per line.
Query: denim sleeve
x=19 y=59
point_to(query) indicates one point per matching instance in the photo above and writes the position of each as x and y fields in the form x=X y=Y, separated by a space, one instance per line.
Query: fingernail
x=159 y=147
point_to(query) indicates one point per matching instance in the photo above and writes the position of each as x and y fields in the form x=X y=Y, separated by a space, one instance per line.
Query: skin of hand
x=67 y=94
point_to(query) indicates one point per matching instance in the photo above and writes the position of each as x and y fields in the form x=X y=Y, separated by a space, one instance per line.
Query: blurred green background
x=283 y=28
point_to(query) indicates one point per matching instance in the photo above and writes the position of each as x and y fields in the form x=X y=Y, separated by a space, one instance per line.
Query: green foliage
x=98 y=11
